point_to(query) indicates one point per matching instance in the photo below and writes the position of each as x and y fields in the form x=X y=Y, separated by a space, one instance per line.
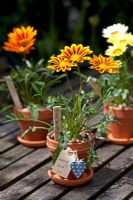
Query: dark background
x=63 y=22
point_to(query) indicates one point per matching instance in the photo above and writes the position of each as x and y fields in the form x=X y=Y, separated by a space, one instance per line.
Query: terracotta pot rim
x=26 y=110
x=71 y=143
x=71 y=182
x=121 y=108
x=122 y=141
x=33 y=144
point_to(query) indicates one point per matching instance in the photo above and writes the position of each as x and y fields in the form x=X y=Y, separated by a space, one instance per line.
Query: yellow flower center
x=62 y=64
x=102 y=66
x=114 y=33
x=124 y=42
x=117 y=51
x=75 y=57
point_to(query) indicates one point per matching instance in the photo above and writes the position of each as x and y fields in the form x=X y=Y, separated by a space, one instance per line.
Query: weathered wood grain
x=59 y=190
x=28 y=184
x=120 y=189
x=104 y=177
x=47 y=192
x=8 y=142
x=23 y=166
x=130 y=198
x=8 y=128
x=107 y=152
x=13 y=155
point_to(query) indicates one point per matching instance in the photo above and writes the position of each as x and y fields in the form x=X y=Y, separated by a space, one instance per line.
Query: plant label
x=62 y=166
x=57 y=121
x=13 y=92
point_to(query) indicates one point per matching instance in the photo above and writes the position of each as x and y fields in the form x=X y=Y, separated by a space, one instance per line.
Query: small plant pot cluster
x=70 y=138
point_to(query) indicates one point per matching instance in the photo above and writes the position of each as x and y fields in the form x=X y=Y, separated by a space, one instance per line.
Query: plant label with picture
x=62 y=166
x=78 y=167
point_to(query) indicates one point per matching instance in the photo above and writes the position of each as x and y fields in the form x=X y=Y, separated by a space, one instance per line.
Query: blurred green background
x=62 y=22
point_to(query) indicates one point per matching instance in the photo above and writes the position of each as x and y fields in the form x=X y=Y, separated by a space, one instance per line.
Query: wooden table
x=23 y=172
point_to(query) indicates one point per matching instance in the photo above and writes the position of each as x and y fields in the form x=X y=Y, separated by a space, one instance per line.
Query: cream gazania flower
x=130 y=39
x=115 y=50
x=115 y=28
x=119 y=38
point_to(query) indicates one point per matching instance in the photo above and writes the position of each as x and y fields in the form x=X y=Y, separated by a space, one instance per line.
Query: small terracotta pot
x=81 y=147
x=38 y=137
x=121 y=132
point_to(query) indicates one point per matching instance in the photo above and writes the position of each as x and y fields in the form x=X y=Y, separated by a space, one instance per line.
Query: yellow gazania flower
x=130 y=39
x=59 y=63
x=21 y=40
x=76 y=53
x=119 y=39
x=104 y=64
x=116 y=50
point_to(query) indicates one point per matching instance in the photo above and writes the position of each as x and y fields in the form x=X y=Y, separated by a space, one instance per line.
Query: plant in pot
x=71 y=133
x=29 y=83
x=117 y=90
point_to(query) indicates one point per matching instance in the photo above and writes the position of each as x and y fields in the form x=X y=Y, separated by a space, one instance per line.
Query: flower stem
x=24 y=60
x=81 y=80
x=70 y=86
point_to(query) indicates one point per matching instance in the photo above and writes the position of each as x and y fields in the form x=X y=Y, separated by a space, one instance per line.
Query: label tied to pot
x=13 y=91
x=57 y=121
x=62 y=166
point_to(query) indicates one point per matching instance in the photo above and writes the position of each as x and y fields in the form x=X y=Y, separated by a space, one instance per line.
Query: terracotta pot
x=121 y=132
x=81 y=147
x=38 y=137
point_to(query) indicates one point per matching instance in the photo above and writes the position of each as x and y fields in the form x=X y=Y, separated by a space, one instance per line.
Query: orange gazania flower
x=59 y=63
x=76 y=53
x=104 y=64
x=21 y=40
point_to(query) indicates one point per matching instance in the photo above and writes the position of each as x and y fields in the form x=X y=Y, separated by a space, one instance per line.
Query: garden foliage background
x=62 y=22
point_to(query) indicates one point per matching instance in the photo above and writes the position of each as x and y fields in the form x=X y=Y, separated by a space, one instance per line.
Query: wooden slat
x=103 y=178
x=13 y=155
x=131 y=197
x=8 y=128
x=27 y=184
x=9 y=141
x=120 y=189
x=47 y=192
x=106 y=152
x=59 y=190
x=19 y=168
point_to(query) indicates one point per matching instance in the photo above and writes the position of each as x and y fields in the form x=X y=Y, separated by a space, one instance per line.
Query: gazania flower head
x=59 y=63
x=114 y=29
x=76 y=53
x=104 y=64
x=116 y=50
x=130 y=39
x=122 y=39
x=21 y=40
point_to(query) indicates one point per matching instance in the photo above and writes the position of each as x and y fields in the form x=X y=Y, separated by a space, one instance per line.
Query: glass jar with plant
x=78 y=107
x=117 y=90
x=32 y=81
